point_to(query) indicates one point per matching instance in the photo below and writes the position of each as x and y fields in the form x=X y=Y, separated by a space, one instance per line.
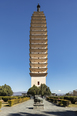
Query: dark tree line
x=74 y=93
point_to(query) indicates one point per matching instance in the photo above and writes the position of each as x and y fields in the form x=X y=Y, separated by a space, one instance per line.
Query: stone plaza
x=26 y=109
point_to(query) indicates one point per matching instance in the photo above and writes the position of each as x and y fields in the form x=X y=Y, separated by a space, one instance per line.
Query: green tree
x=33 y=91
x=42 y=90
x=5 y=90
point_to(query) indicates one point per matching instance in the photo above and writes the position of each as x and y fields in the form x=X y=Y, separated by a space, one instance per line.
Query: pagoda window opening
x=38 y=83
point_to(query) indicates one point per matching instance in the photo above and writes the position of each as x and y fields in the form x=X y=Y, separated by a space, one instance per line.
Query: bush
x=11 y=102
x=47 y=98
x=59 y=101
x=15 y=101
x=71 y=98
x=55 y=101
x=65 y=102
x=0 y=104
x=0 y=97
x=5 y=99
x=51 y=99
x=61 y=97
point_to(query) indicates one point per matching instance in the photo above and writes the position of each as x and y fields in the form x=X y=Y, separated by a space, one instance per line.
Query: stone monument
x=38 y=103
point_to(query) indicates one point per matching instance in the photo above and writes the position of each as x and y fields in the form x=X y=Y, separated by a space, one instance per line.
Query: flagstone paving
x=26 y=109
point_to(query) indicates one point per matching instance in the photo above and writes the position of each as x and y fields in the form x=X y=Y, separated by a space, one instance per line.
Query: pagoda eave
x=38 y=55
x=38 y=60
x=38 y=50
x=38 y=45
x=38 y=69
x=38 y=65
x=38 y=74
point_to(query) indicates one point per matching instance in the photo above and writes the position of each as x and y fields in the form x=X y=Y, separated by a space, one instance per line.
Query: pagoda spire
x=38 y=8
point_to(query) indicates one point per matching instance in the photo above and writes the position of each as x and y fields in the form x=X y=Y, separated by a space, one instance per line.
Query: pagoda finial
x=38 y=7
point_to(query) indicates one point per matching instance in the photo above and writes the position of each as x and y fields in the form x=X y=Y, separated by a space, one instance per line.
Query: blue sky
x=15 y=18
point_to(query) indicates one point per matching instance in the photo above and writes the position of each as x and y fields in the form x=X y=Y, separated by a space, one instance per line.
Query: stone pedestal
x=38 y=106
x=38 y=103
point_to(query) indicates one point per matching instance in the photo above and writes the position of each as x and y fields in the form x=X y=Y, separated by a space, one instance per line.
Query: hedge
x=59 y=101
x=16 y=101
x=6 y=98
x=1 y=97
x=65 y=102
x=73 y=99
x=0 y=104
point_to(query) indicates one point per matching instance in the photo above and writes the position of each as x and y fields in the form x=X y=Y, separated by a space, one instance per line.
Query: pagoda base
x=37 y=81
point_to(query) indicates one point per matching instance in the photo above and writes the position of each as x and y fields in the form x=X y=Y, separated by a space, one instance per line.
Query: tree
x=33 y=91
x=42 y=90
x=74 y=92
x=5 y=90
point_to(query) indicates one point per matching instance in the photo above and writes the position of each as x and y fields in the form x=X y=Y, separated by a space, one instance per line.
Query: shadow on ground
x=66 y=113
x=25 y=114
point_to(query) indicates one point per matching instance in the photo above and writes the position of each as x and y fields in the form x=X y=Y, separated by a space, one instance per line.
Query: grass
x=5 y=104
x=72 y=105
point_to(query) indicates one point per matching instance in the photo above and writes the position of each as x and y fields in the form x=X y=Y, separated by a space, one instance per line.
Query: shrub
x=0 y=97
x=15 y=101
x=11 y=102
x=61 y=97
x=60 y=102
x=65 y=102
x=55 y=101
x=51 y=99
x=71 y=98
x=0 y=104
x=47 y=98
x=5 y=99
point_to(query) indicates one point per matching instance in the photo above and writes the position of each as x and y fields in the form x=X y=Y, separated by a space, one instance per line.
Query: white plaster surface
x=35 y=80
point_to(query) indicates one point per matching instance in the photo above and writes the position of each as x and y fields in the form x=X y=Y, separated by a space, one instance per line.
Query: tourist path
x=26 y=109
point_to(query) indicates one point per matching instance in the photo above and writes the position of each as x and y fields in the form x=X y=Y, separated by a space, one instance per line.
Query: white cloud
x=59 y=90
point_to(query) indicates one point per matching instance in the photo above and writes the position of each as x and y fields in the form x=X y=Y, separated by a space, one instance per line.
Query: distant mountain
x=18 y=93
x=60 y=94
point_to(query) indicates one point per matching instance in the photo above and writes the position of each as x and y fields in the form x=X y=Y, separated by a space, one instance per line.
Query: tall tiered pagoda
x=38 y=48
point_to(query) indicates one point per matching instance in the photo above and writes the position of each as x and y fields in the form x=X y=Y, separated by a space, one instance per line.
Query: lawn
x=72 y=105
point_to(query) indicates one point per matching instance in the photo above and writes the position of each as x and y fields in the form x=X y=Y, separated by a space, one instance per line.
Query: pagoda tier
x=38 y=24
x=38 y=14
x=39 y=55
x=38 y=18
x=38 y=41
x=38 y=69
x=38 y=74
x=38 y=37
x=39 y=50
x=38 y=60
x=38 y=45
x=38 y=28
x=38 y=65
x=38 y=32
x=38 y=21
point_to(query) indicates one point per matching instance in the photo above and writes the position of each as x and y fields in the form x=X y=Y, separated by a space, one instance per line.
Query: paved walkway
x=26 y=109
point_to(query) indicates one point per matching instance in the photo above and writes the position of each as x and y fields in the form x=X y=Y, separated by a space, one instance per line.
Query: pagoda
x=38 y=48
